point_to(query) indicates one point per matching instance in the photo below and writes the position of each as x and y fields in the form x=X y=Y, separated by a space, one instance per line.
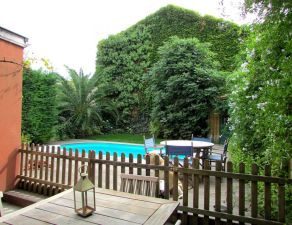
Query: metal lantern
x=84 y=193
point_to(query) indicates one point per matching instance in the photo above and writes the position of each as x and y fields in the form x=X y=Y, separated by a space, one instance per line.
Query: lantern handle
x=80 y=171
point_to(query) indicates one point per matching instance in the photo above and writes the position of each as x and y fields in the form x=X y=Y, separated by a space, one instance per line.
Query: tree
x=185 y=88
x=260 y=97
x=122 y=64
x=80 y=105
x=39 y=105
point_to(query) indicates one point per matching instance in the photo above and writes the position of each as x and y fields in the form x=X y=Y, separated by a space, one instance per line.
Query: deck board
x=112 y=208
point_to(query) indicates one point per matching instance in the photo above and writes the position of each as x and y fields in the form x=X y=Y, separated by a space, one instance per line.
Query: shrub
x=185 y=88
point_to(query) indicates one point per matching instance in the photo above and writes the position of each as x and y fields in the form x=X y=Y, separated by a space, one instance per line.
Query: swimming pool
x=108 y=147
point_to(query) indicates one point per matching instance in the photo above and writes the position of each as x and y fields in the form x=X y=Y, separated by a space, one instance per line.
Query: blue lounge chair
x=150 y=146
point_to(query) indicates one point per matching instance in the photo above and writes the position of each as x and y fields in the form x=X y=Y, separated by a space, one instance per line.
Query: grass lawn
x=129 y=138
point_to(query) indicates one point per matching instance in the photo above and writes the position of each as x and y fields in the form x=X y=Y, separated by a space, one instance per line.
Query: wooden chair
x=140 y=185
x=149 y=144
x=218 y=157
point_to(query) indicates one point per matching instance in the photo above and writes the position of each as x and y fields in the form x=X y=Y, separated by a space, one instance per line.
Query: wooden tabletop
x=195 y=144
x=112 y=207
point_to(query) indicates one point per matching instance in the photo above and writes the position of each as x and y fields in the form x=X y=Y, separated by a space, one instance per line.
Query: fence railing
x=217 y=195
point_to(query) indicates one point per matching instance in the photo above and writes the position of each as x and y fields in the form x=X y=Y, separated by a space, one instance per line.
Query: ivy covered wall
x=125 y=59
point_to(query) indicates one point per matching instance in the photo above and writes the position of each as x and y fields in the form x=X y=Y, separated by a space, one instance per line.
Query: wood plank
x=281 y=203
x=95 y=218
x=229 y=194
x=21 y=160
x=107 y=172
x=70 y=168
x=139 y=161
x=206 y=191
x=115 y=172
x=175 y=180
x=52 y=173
x=166 y=178
x=218 y=193
x=125 y=206
x=58 y=165
x=26 y=160
x=121 y=200
x=185 y=191
x=131 y=160
x=100 y=170
x=147 y=157
x=24 y=220
x=40 y=187
x=64 y=173
x=47 y=170
x=93 y=168
x=131 y=196
x=115 y=213
x=254 y=193
x=25 y=209
x=162 y=214
x=56 y=217
x=241 y=195
x=76 y=164
x=196 y=187
x=156 y=174
x=223 y=215
x=36 y=168
x=267 y=197
x=31 y=165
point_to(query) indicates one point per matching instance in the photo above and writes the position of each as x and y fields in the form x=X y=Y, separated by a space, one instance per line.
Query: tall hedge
x=124 y=60
x=39 y=106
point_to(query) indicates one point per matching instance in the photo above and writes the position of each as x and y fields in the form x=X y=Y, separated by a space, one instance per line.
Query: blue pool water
x=108 y=147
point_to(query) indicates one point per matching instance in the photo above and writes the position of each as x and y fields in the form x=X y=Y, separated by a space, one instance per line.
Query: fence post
x=254 y=192
x=185 y=190
x=196 y=183
x=166 y=178
x=241 y=194
x=100 y=170
x=229 y=193
x=175 y=180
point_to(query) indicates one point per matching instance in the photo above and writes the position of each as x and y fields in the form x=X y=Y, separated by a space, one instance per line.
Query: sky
x=66 y=32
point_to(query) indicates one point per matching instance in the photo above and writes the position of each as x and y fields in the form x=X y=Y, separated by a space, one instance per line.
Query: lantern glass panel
x=85 y=202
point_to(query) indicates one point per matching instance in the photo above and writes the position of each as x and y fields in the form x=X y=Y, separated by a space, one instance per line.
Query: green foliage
x=175 y=21
x=39 y=111
x=80 y=105
x=260 y=98
x=124 y=60
x=185 y=87
x=122 y=63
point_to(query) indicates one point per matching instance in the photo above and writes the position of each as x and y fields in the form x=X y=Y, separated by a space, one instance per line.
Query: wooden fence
x=47 y=170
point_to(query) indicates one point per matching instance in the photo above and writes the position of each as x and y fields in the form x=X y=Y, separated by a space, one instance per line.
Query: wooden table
x=112 y=207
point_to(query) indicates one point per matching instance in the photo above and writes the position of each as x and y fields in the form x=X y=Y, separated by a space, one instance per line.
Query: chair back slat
x=179 y=150
x=138 y=184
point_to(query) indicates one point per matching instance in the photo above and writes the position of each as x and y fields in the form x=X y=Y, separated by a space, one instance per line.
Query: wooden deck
x=112 y=207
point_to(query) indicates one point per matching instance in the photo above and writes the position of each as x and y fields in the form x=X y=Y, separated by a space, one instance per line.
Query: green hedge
x=39 y=106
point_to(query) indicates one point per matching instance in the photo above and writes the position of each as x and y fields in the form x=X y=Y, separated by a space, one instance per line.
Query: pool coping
x=76 y=141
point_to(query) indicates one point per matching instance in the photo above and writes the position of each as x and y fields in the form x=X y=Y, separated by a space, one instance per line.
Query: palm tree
x=80 y=104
